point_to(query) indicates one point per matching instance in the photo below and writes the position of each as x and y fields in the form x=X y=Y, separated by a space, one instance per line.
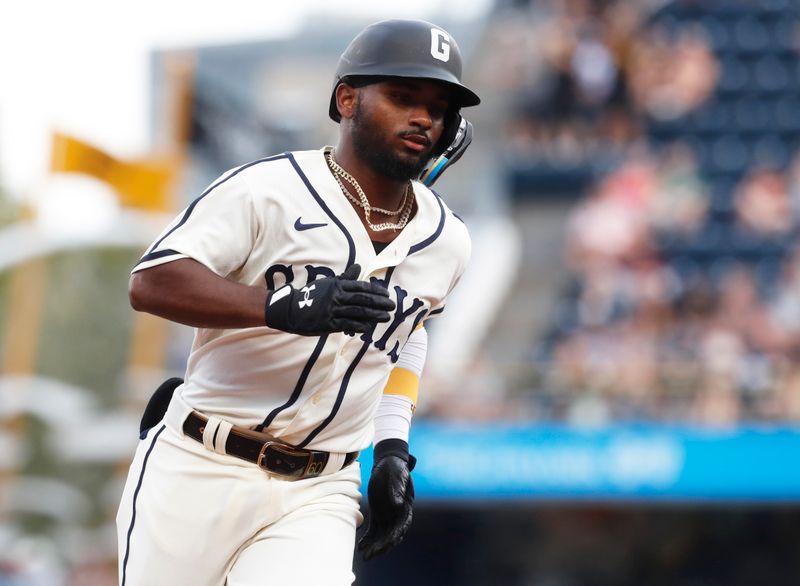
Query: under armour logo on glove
x=343 y=304
x=306 y=301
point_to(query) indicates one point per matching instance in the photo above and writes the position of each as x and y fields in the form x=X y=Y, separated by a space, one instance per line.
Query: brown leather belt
x=270 y=455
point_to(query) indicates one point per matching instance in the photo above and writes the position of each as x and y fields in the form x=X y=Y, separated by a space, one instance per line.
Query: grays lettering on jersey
x=282 y=220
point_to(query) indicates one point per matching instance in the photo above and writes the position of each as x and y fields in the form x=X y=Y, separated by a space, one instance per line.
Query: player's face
x=396 y=124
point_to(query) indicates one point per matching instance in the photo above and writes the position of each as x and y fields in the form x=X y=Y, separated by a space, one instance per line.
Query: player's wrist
x=393 y=447
x=276 y=308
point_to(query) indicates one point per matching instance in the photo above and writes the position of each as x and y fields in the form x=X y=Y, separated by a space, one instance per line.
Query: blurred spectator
x=611 y=225
x=763 y=205
x=739 y=307
x=672 y=76
x=716 y=403
x=785 y=305
x=680 y=202
x=783 y=403
x=793 y=180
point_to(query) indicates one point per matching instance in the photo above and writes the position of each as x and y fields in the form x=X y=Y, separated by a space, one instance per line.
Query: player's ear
x=346 y=96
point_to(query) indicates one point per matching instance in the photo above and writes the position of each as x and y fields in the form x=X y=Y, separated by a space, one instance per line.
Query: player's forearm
x=187 y=292
x=396 y=409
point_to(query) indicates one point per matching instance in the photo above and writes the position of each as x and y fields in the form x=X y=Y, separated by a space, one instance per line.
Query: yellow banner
x=145 y=183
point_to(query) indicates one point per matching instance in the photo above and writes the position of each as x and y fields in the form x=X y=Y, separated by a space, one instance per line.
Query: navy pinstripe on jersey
x=298 y=389
x=351 y=257
x=428 y=241
x=151 y=255
x=346 y=380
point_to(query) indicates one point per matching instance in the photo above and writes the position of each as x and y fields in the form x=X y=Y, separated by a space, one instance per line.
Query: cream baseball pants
x=192 y=517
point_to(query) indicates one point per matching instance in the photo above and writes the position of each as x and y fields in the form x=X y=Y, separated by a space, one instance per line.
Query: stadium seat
x=750 y=36
x=771 y=75
x=729 y=153
x=751 y=114
x=787 y=113
x=734 y=77
x=770 y=150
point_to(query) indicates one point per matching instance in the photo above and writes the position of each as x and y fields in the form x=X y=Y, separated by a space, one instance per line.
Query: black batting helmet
x=403 y=48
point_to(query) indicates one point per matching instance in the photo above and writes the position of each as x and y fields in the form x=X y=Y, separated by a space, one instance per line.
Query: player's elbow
x=139 y=293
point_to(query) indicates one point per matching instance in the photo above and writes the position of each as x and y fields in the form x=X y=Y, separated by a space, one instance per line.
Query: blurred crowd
x=676 y=332
x=684 y=298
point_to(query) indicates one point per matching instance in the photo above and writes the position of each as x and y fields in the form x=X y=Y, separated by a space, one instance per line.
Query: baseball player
x=309 y=277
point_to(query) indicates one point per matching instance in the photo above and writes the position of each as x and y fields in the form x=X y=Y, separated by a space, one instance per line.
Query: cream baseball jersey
x=284 y=219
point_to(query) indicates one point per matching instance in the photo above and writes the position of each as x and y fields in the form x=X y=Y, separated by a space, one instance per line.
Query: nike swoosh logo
x=299 y=226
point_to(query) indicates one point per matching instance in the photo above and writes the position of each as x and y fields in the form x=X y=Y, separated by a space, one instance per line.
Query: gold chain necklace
x=340 y=172
x=404 y=211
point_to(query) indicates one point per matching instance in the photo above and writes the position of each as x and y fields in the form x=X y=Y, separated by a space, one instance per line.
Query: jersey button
x=315 y=399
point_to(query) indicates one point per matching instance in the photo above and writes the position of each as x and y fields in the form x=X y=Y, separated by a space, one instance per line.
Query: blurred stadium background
x=612 y=397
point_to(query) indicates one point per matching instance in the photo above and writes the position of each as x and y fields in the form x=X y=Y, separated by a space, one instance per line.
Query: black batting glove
x=391 y=496
x=331 y=304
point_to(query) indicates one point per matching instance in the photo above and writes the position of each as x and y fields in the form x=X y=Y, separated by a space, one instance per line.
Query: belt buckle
x=282 y=450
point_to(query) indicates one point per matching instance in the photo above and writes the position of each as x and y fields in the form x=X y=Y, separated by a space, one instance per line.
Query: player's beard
x=366 y=136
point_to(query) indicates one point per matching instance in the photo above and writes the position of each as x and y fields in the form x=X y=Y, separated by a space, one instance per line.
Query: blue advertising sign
x=480 y=462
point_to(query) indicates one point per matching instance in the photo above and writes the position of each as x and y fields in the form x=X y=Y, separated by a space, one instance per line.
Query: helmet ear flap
x=451 y=120
x=438 y=163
